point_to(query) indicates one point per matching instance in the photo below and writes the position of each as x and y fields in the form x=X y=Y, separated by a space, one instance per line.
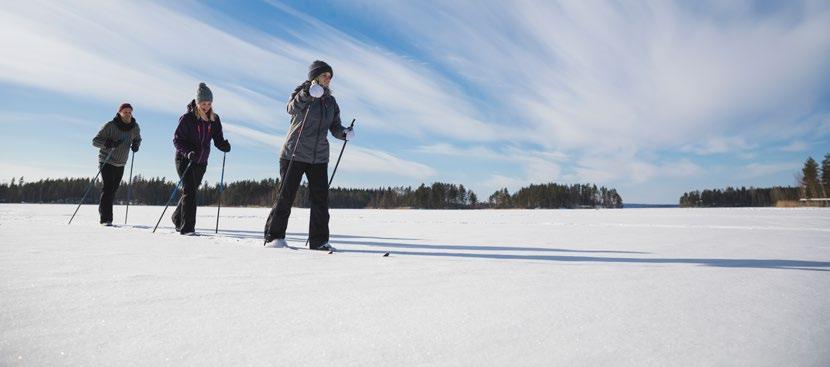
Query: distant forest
x=736 y=197
x=156 y=191
x=813 y=180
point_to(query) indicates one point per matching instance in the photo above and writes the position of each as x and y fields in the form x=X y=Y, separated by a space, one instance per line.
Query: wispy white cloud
x=537 y=165
x=719 y=145
x=796 y=146
x=756 y=170
x=446 y=149
x=602 y=76
x=11 y=117
x=508 y=153
x=822 y=126
x=630 y=169
x=252 y=136
x=361 y=159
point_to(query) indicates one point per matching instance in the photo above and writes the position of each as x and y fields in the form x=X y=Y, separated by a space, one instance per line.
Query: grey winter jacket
x=323 y=116
x=117 y=130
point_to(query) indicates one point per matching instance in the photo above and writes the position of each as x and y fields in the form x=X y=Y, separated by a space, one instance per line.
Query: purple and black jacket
x=194 y=134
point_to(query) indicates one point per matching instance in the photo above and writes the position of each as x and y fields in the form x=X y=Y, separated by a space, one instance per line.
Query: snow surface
x=637 y=287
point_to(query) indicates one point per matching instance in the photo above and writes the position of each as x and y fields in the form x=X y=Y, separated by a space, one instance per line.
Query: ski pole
x=221 y=188
x=340 y=156
x=129 y=188
x=172 y=194
x=335 y=168
x=92 y=183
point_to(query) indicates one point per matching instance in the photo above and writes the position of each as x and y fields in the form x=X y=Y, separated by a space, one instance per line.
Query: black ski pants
x=318 y=185
x=111 y=175
x=184 y=217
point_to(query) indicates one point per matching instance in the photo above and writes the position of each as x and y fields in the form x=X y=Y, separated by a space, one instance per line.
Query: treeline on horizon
x=262 y=193
x=813 y=182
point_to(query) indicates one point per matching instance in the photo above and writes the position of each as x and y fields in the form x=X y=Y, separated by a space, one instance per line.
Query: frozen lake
x=488 y=287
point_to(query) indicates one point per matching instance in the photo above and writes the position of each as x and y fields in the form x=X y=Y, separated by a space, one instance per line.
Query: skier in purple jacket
x=196 y=129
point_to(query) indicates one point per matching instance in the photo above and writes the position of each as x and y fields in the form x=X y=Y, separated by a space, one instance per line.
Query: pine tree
x=462 y=195
x=825 y=175
x=452 y=196
x=810 y=181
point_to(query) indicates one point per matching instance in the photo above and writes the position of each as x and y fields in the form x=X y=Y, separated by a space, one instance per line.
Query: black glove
x=135 y=145
x=304 y=96
x=109 y=143
x=191 y=155
x=224 y=146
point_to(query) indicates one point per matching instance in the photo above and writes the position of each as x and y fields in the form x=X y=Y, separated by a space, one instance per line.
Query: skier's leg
x=102 y=201
x=181 y=166
x=111 y=176
x=318 y=186
x=278 y=218
x=191 y=188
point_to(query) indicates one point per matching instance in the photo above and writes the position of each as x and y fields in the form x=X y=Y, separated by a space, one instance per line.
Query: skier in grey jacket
x=115 y=140
x=306 y=151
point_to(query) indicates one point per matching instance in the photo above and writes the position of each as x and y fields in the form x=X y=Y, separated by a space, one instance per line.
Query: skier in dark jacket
x=306 y=150
x=115 y=140
x=192 y=139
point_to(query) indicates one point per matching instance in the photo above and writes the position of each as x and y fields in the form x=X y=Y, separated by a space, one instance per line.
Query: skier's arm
x=299 y=99
x=219 y=138
x=136 y=141
x=183 y=146
x=336 y=128
x=100 y=140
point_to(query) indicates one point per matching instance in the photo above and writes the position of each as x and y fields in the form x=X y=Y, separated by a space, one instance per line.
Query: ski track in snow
x=638 y=287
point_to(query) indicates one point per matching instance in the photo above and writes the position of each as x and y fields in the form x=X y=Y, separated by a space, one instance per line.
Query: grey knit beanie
x=203 y=93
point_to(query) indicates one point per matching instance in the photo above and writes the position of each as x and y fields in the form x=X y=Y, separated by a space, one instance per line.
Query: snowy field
x=631 y=287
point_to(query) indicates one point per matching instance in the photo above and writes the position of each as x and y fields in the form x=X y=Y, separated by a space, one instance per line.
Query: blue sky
x=652 y=98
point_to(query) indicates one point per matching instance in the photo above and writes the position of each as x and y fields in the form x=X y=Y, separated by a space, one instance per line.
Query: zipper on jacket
x=201 y=138
x=317 y=136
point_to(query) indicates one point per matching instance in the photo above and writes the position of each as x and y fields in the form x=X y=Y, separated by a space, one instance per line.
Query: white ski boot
x=277 y=243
